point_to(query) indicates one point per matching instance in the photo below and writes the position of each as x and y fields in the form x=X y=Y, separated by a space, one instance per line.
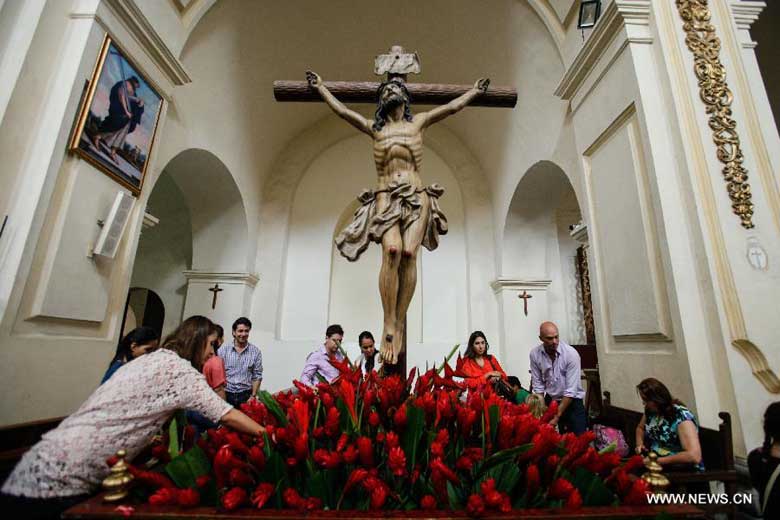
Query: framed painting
x=118 y=119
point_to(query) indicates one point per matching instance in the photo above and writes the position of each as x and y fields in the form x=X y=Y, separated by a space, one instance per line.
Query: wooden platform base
x=95 y=508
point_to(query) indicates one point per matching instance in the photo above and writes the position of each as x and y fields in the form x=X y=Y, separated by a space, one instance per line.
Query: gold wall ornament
x=717 y=97
x=117 y=483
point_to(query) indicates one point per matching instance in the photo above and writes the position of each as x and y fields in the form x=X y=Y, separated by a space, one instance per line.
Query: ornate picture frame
x=117 y=123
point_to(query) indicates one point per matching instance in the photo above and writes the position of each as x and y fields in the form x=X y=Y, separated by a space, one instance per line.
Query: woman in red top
x=479 y=367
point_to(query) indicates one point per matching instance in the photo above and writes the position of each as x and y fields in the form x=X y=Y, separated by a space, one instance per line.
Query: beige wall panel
x=627 y=246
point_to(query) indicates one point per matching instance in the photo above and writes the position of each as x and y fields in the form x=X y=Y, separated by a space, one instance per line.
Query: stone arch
x=217 y=211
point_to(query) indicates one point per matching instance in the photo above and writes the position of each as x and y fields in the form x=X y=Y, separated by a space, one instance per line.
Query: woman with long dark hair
x=136 y=343
x=764 y=464
x=480 y=368
x=125 y=412
x=667 y=427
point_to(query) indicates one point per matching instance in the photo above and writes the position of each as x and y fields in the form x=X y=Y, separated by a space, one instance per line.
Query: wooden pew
x=16 y=439
x=716 y=448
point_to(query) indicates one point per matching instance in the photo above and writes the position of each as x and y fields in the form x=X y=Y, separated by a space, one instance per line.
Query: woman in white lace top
x=125 y=412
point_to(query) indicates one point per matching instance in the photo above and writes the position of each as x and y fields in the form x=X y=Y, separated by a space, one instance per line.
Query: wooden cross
x=216 y=289
x=396 y=63
x=525 y=296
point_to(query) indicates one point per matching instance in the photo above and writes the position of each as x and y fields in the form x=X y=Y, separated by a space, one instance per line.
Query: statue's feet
x=386 y=350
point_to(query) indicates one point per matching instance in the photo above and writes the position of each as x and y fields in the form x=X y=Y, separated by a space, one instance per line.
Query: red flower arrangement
x=376 y=443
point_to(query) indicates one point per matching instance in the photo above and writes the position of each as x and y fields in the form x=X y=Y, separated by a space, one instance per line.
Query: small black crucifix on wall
x=216 y=289
x=525 y=296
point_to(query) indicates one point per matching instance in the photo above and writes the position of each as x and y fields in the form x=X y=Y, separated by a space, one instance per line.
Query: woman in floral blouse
x=125 y=412
x=667 y=427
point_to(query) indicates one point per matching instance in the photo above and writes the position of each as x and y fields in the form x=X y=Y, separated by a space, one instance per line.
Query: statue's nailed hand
x=482 y=84
x=313 y=78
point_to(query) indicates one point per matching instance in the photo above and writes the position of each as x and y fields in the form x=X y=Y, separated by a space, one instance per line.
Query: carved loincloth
x=404 y=207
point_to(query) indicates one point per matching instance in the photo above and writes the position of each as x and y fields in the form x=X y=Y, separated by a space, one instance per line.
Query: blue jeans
x=574 y=419
x=238 y=398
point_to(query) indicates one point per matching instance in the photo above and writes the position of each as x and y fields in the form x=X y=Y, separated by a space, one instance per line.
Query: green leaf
x=273 y=407
x=275 y=470
x=410 y=438
x=173 y=438
x=609 y=448
x=493 y=412
x=500 y=457
x=592 y=488
x=454 y=497
x=187 y=467
x=506 y=475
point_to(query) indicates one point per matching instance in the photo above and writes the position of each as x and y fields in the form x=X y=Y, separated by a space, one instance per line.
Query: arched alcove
x=332 y=289
x=539 y=255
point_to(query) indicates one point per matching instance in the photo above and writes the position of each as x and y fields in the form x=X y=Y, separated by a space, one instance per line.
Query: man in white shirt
x=556 y=373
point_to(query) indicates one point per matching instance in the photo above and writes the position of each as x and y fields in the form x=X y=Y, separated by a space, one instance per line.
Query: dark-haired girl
x=479 y=367
x=136 y=343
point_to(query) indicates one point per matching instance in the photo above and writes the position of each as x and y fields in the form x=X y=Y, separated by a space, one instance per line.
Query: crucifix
x=525 y=296
x=216 y=289
x=402 y=213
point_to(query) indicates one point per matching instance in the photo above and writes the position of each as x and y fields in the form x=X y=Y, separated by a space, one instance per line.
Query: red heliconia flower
x=574 y=501
x=607 y=461
x=281 y=435
x=239 y=477
x=293 y=499
x=188 y=498
x=164 y=497
x=299 y=415
x=637 y=495
x=224 y=461
x=262 y=494
x=475 y=506
x=350 y=454
x=443 y=436
x=428 y=403
x=437 y=449
x=380 y=437
x=396 y=460
x=543 y=442
x=560 y=488
x=346 y=390
x=188 y=436
x=532 y=479
x=577 y=445
x=466 y=418
x=552 y=462
x=235 y=442
x=444 y=410
x=464 y=463
x=256 y=456
x=415 y=474
x=160 y=451
x=369 y=397
x=291 y=462
x=623 y=482
x=525 y=430
x=493 y=499
x=152 y=479
x=487 y=486
x=378 y=497
x=318 y=432
x=506 y=503
x=313 y=503
x=234 y=498
x=327 y=399
x=332 y=422
x=633 y=463
x=551 y=412
x=373 y=419
x=305 y=392
x=357 y=476
x=391 y=440
x=428 y=503
x=203 y=481
x=327 y=459
x=365 y=451
x=440 y=470
x=399 y=418
x=342 y=442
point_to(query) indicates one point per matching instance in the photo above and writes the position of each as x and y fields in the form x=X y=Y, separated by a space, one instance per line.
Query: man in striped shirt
x=243 y=364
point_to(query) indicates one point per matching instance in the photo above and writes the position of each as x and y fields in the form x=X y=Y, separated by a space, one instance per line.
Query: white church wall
x=63 y=350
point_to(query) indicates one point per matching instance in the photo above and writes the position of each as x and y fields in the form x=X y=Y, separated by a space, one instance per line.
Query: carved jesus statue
x=402 y=213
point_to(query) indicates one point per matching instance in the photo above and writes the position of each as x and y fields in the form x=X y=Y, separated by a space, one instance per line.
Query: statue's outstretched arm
x=456 y=105
x=350 y=116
